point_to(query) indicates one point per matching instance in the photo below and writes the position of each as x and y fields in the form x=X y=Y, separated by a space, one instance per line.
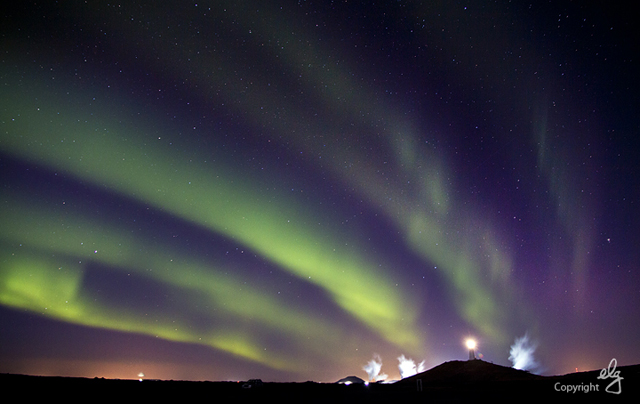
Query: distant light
x=471 y=344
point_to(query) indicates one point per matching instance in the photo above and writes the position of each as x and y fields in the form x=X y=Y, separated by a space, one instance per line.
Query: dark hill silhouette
x=450 y=382
x=461 y=381
x=455 y=372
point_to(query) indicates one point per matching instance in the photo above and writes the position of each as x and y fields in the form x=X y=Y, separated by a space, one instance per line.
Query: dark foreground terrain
x=451 y=382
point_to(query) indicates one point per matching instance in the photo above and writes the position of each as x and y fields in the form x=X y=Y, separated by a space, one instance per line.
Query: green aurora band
x=208 y=196
x=44 y=275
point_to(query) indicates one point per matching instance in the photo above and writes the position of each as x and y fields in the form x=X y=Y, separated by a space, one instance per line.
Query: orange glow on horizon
x=109 y=370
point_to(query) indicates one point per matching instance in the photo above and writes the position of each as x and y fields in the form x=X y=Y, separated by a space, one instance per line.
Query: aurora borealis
x=228 y=190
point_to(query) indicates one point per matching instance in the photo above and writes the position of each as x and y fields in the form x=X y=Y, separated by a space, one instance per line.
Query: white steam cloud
x=373 y=369
x=408 y=367
x=521 y=354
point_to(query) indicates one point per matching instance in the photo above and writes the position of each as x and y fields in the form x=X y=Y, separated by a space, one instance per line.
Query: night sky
x=288 y=190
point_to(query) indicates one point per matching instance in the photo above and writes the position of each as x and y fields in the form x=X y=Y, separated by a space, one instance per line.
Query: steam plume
x=408 y=367
x=373 y=369
x=521 y=354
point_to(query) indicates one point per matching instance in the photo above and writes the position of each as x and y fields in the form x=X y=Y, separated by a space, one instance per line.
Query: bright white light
x=471 y=344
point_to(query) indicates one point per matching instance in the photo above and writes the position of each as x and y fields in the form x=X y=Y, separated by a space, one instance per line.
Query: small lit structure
x=352 y=380
x=471 y=344
x=252 y=384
